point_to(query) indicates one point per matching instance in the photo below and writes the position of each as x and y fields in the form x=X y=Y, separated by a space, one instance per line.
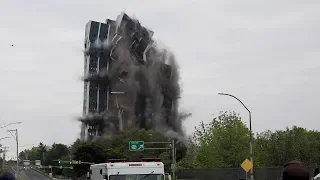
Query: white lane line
x=25 y=175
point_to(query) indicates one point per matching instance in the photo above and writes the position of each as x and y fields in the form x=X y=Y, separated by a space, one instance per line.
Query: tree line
x=100 y=150
x=222 y=143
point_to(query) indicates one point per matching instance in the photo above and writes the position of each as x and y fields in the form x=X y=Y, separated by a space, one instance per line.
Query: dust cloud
x=144 y=83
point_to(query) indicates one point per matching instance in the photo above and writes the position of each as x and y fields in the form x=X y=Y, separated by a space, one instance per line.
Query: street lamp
x=4 y=138
x=251 y=159
x=10 y=124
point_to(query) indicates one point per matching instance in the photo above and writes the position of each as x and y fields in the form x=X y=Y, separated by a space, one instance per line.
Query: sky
x=267 y=53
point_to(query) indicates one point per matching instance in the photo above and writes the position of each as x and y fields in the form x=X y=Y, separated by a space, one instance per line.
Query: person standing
x=295 y=170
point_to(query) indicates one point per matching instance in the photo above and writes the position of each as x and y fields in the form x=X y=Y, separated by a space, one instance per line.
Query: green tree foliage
x=224 y=142
x=32 y=153
x=221 y=143
x=116 y=147
x=99 y=151
x=55 y=153
x=89 y=152
x=189 y=161
x=277 y=148
x=35 y=153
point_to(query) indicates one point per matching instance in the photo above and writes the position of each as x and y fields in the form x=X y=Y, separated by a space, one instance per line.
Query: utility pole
x=4 y=156
x=17 y=141
x=173 y=167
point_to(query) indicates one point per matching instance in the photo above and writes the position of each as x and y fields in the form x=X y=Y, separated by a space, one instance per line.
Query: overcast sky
x=267 y=53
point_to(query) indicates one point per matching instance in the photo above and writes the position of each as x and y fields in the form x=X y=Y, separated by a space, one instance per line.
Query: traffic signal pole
x=173 y=150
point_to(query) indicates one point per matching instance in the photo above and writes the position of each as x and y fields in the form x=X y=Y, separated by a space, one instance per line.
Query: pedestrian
x=295 y=170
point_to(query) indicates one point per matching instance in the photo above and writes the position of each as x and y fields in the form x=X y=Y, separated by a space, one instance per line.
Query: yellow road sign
x=247 y=165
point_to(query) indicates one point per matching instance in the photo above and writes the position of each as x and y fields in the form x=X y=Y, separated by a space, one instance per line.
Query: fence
x=231 y=173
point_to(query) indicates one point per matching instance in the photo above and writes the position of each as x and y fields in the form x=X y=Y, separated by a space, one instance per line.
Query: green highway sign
x=136 y=145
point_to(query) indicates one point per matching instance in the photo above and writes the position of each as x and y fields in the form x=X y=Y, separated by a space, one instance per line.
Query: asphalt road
x=34 y=175
x=29 y=174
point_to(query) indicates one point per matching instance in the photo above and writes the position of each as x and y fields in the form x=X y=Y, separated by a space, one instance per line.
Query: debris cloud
x=143 y=80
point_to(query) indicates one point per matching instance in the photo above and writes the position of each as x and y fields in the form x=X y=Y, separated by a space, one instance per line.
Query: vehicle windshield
x=137 y=177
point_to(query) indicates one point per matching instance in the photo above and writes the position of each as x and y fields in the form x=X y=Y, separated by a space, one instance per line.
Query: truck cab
x=147 y=169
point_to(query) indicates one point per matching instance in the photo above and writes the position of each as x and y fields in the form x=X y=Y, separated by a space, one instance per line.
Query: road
x=29 y=174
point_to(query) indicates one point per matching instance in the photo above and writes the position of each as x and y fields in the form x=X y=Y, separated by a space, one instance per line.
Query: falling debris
x=128 y=81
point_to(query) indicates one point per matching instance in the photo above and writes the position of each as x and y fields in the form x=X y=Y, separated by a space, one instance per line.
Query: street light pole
x=4 y=153
x=173 y=150
x=4 y=138
x=4 y=156
x=10 y=124
x=251 y=158
x=17 y=140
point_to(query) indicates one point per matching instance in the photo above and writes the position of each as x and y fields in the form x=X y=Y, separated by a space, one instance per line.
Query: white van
x=151 y=169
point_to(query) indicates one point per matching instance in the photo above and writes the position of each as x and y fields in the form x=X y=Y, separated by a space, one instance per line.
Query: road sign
x=136 y=145
x=75 y=162
x=247 y=165
x=26 y=162
x=60 y=167
x=50 y=166
x=71 y=167
x=38 y=162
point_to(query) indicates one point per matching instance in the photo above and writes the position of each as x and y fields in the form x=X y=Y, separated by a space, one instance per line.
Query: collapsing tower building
x=127 y=81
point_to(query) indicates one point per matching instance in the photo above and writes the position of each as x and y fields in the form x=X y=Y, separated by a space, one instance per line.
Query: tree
x=224 y=142
x=285 y=145
x=189 y=160
x=116 y=147
x=89 y=152
x=119 y=144
x=42 y=150
x=56 y=152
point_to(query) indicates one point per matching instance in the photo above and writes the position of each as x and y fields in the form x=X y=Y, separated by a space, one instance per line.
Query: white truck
x=147 y=169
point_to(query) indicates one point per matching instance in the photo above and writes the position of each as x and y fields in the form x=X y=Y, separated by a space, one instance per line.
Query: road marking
x=25 y=175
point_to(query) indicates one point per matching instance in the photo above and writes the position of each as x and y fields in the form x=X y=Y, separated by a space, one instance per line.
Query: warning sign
x=247 y=165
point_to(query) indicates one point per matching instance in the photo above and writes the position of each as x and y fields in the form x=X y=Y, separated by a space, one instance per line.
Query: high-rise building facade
x=124 y=89
x=96 y=90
